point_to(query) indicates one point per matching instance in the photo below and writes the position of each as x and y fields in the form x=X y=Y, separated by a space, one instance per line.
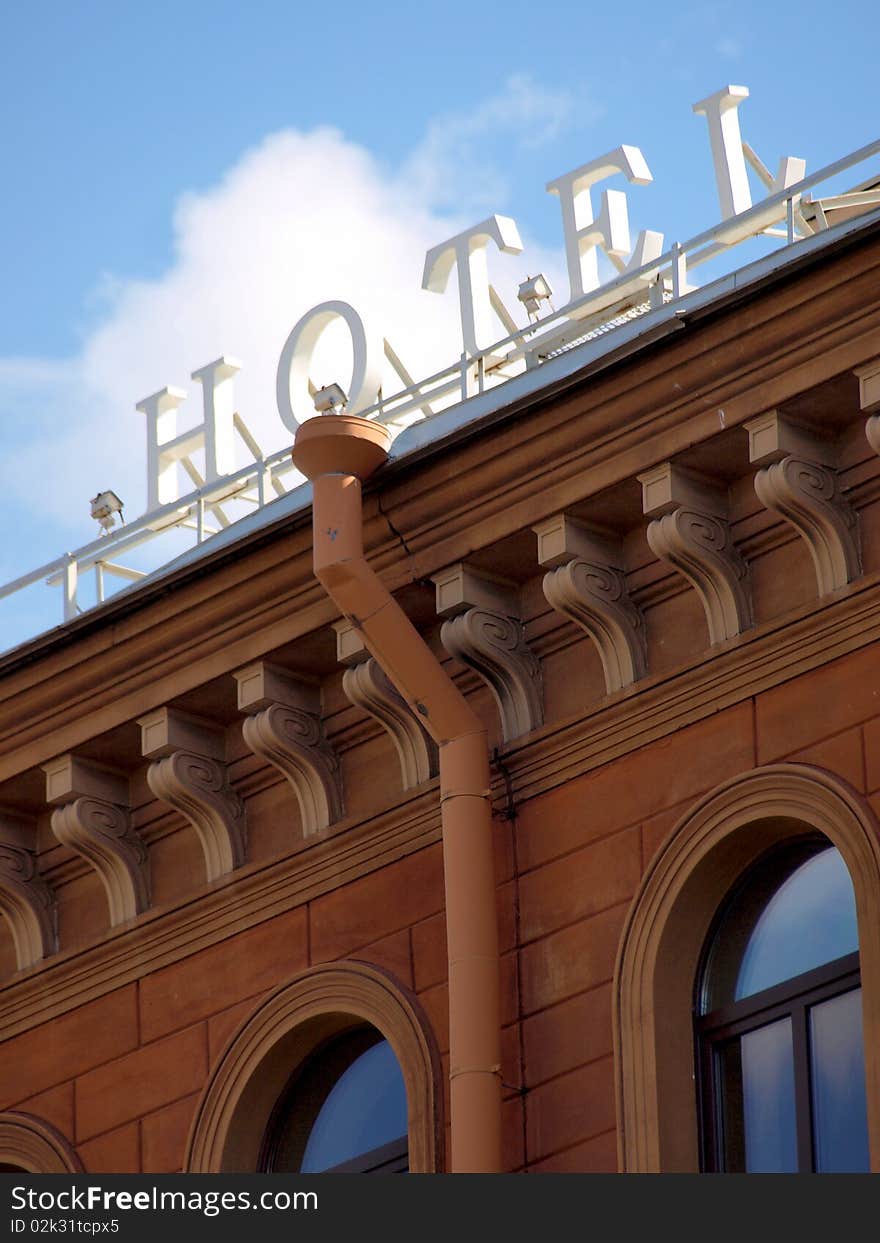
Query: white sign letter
x=218 y=399
x=720 y=110
x=729 y=154
x=292 y=384
x=214 y=434
x=161 y=411
x=467 y=252
x=583 y=232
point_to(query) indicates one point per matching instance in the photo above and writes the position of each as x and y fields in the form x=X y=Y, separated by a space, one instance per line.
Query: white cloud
x=450 y=164
x=301 y=218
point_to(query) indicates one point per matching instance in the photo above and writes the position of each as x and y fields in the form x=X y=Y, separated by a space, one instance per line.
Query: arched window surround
x=35 y=1146
x=659 y=954
x=283 y=1031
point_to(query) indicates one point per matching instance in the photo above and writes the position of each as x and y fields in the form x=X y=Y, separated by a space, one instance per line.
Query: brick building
x=651 y=568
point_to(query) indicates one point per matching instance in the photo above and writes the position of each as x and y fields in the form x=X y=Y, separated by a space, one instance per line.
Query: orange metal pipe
x=337 y=452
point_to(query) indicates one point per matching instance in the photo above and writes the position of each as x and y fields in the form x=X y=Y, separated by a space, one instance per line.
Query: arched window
x=779 y=1021
x=737 y=902
x=30 y=1145
x=337 y=1068
x=344 y=1111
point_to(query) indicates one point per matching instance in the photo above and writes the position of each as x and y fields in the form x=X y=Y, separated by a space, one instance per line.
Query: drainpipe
x=337 y=452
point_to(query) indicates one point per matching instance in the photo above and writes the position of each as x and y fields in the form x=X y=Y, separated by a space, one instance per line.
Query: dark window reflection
x=344 y=1110
x=779 y=1026
x=838 y=1073
x=760 y=1131
x=810 y=920
x=365 y=1109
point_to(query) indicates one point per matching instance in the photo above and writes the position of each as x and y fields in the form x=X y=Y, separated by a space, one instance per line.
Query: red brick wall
x=120 y=1076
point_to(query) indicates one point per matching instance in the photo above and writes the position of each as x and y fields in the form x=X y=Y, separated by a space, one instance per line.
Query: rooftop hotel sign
x=586 y=232
x=648 y=278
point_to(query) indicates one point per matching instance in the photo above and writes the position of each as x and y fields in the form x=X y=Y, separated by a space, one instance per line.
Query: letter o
x=292 y=384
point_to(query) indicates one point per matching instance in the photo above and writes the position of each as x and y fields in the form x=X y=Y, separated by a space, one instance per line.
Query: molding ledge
x=34 y=1145
x=189 y=774
x=806 y=639
x=284 y=727
x=868 y=377
x=483 y=632
x=691 y=533
x=798 y=481
x=585 y=582
x=369 y=689
x=91 y=816
x=259 y=892
x=26 y=900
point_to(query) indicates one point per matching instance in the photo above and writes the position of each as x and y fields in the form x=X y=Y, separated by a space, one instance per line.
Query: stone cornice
x=189 y=773
x=92 y=816
x=798 y=480
x=690 y=531
x=805 y=330
x=763 y=658
x=670 y=402
x=484 y=632
x=26 y=900
x=585 y=582
x=239 y=901
x=368 y=688
x=284 y=726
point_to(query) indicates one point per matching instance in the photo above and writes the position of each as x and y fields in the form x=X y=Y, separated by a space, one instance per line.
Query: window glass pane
x=838 y=1070
x=794 y=912
x=365 y=1108
x=809 y=920
x=757 y=1072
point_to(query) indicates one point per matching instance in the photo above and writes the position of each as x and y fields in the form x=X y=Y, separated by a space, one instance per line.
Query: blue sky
x=184 y=180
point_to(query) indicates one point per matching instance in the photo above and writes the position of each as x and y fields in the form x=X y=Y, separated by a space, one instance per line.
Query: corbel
x=283 y=726
x=188 y=772
x=585 y=582
x=91 y=816
x=798 y=481
x=690 y=531
x=869 y=399
x=367 y=687
x=26 y=900
x=483 y=631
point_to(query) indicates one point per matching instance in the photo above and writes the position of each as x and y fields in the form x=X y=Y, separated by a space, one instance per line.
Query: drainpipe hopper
x=338 y=452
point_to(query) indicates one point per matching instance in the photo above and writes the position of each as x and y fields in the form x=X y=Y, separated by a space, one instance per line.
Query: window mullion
x=802 y=1094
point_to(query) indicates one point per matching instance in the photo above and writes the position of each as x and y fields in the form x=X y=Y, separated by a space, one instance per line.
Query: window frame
x=683 y=886
x=282 y=1032
x=792 y=999
x=358 y=1039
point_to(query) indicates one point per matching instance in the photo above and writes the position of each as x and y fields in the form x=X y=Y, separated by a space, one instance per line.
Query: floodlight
x=330 y=399
x=104 y=508
x=532 y=292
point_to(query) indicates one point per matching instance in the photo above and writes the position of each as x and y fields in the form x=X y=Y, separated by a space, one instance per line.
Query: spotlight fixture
x=330 y=400
x=532 y=292
x=105 y=507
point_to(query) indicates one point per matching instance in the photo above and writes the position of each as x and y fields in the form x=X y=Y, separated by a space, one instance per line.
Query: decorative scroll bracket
x=690 y=531
x=368 y=688
x=284 y=727
x=483 y=631
x=91 y=817
x=585 y=583
x=189 y=773
x=26 y=900
x=869 y=399
x=798 y=481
